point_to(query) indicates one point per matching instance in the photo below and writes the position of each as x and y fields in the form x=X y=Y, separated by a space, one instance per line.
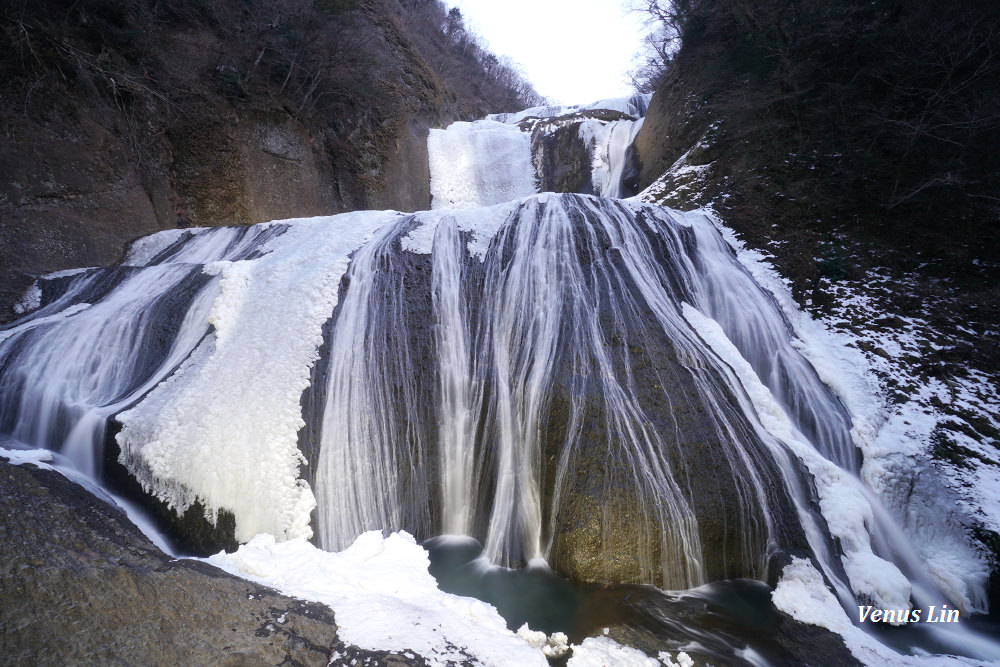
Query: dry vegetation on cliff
x=854 y=143
x=120 y=119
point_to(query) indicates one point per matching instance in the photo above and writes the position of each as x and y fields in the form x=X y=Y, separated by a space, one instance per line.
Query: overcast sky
x=573 y=51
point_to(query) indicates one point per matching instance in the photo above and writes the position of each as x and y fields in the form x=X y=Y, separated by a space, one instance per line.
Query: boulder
x=80 y=584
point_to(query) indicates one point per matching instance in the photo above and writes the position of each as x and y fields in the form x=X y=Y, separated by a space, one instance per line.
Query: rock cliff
x=119 y=121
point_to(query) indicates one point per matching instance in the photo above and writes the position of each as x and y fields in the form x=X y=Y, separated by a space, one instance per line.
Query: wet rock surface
x=562 y=160
x=79 y=584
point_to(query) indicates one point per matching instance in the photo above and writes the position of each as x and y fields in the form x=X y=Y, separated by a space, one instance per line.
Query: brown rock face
x=122 y=120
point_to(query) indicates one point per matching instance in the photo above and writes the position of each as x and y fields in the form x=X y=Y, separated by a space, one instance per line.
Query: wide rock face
x=81 y=585
x=145 y=116
x=562 y=160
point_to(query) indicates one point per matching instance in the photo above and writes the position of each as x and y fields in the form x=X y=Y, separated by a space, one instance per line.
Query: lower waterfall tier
x=528 y=374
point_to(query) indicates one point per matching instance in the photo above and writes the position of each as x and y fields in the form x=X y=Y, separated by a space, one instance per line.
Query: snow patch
x=603 y=652
x=553 y=646
x=384 y=598
x=634 y=106
x=30 y=300
x=19 y=457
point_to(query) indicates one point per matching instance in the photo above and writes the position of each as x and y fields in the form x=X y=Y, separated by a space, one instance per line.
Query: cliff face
x=121 y=120
x=879 y=119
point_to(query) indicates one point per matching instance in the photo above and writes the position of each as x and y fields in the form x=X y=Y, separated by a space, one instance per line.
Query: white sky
x=572 y=51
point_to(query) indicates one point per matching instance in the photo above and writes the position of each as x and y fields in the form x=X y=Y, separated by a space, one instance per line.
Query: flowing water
x=577 y=382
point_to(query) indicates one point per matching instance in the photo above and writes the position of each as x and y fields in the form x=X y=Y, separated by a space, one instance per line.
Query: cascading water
x=594 y=382
x=105 y=342
x=609 y=144
x=549 y=356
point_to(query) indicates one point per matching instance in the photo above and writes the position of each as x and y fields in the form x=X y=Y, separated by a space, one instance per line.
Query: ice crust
x=223 y=428
x=479 y=164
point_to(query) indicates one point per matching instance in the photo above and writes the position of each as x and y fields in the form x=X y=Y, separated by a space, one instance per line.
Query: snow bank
x=384 y=598
x=802 y=594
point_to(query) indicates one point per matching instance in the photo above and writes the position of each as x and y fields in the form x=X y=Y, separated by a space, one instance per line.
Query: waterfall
x=108 y=339
x=609 y=144
x=459 y=402
x=564 y=381
x=591 y=381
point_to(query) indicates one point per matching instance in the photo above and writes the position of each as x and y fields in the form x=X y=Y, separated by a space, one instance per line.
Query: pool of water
x=729 y=622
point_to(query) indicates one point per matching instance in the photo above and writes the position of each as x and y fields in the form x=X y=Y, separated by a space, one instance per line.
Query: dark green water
x=729 y=622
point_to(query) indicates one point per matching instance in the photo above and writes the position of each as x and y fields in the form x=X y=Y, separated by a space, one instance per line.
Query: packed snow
x=482 y=223
x=376 y=579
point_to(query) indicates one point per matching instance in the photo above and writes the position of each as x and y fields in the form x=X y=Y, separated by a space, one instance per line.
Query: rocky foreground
x=80 y=584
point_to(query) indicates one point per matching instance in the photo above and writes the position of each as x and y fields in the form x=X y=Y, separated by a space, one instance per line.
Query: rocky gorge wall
x=121 y=121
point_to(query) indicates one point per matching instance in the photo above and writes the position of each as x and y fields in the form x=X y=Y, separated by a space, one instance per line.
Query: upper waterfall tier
x=634 y=106
x=553 y=149
x=479 y=164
